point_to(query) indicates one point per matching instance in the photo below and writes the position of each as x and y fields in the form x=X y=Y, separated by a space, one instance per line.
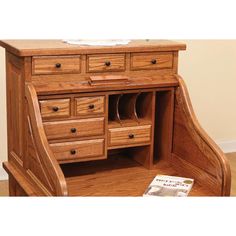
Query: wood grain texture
x=151 y=61
x=47 y=158
x=80 y=150
x=128 y=136
x=71 y=84
x=15 y=107
x=103 y=80
x=87 y=106
x=163 y=130
x=56 y=65
x=117 y=176
x=195 y=147
x=194 y=192
x=55 y=108
x=74 y=128
x=106 y=62
x=58 y=47
x=152 y=129
x=4 y=188
x=232 y=161
x=18 y=180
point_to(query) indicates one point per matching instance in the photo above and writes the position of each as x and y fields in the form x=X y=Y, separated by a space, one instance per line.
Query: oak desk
x=103 y=121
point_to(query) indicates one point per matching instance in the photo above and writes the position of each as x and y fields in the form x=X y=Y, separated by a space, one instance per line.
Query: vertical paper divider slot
x=113 y=114
x=143 y=106
x=127 y=107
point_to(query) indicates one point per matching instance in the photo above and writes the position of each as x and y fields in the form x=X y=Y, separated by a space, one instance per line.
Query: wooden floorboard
x=232 y=161
x=4 y=188
x=231 y=157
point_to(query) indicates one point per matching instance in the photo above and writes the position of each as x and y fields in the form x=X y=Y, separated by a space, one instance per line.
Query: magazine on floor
x=169 y=186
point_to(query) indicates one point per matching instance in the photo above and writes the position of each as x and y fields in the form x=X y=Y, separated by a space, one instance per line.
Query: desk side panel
x=194 y=153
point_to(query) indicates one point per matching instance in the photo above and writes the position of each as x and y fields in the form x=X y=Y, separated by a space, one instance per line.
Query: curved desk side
x=194 y=153
x=54 y=179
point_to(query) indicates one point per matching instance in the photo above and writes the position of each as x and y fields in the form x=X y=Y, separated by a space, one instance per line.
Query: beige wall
x=209 y=70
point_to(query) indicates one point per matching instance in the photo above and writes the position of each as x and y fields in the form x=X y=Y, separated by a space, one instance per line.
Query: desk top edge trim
x=58 y=47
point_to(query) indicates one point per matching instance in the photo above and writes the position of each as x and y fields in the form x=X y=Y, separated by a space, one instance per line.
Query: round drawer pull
x=154 y=61
x=73 y=130
x=107 y=63
x=73 y=152
x=131 y=136
x=91 y=106
x=55 y=109
x=58 y=65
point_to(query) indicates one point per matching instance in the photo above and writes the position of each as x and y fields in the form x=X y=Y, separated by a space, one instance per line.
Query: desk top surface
x=59 y=47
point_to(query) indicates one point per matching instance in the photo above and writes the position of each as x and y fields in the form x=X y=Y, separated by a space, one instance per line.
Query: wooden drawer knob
x=107 y=63
x=131 y=136
x=73 y=152
x=58 y=65
x=154 y=61
x=91 y=106
x=73 y=130
x=55 y=109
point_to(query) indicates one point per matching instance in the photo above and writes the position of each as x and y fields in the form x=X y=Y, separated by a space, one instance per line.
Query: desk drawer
x=86 y=106
x=79 y=150
x=129 y=135
x=106 y=62
x=55 y=65
x=151 y=61
x=74 y=128
x=55 y=108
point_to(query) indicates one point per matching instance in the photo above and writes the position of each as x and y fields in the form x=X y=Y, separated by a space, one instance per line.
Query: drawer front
x=55 y=65
x=151 y=61
x=129 y=135
x=55 y=108
x=106 y=62
x=86 y=106
x=79 y=150
x=74 y=128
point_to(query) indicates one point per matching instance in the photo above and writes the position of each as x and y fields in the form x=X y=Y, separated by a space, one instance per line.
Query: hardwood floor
x=4 y=188
x=232 y=160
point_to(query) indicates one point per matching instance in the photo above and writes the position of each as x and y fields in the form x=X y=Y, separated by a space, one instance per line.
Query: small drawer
x=86 y=106
x=74 y=128
x=55 y=65
x=55 y=108
x=151 y=61
x=129 y=136
x=105 y=62
x=79 y=150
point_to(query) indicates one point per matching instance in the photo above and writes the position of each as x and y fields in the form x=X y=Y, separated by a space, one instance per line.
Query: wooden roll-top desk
x=103 y=121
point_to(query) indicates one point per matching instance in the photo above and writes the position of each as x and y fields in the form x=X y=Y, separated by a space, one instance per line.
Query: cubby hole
x=117 y=159
x=130 y=108
x=144 y=106
x=113 y=114
x=164 y=109
x=126 y=106
x=139 y=155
